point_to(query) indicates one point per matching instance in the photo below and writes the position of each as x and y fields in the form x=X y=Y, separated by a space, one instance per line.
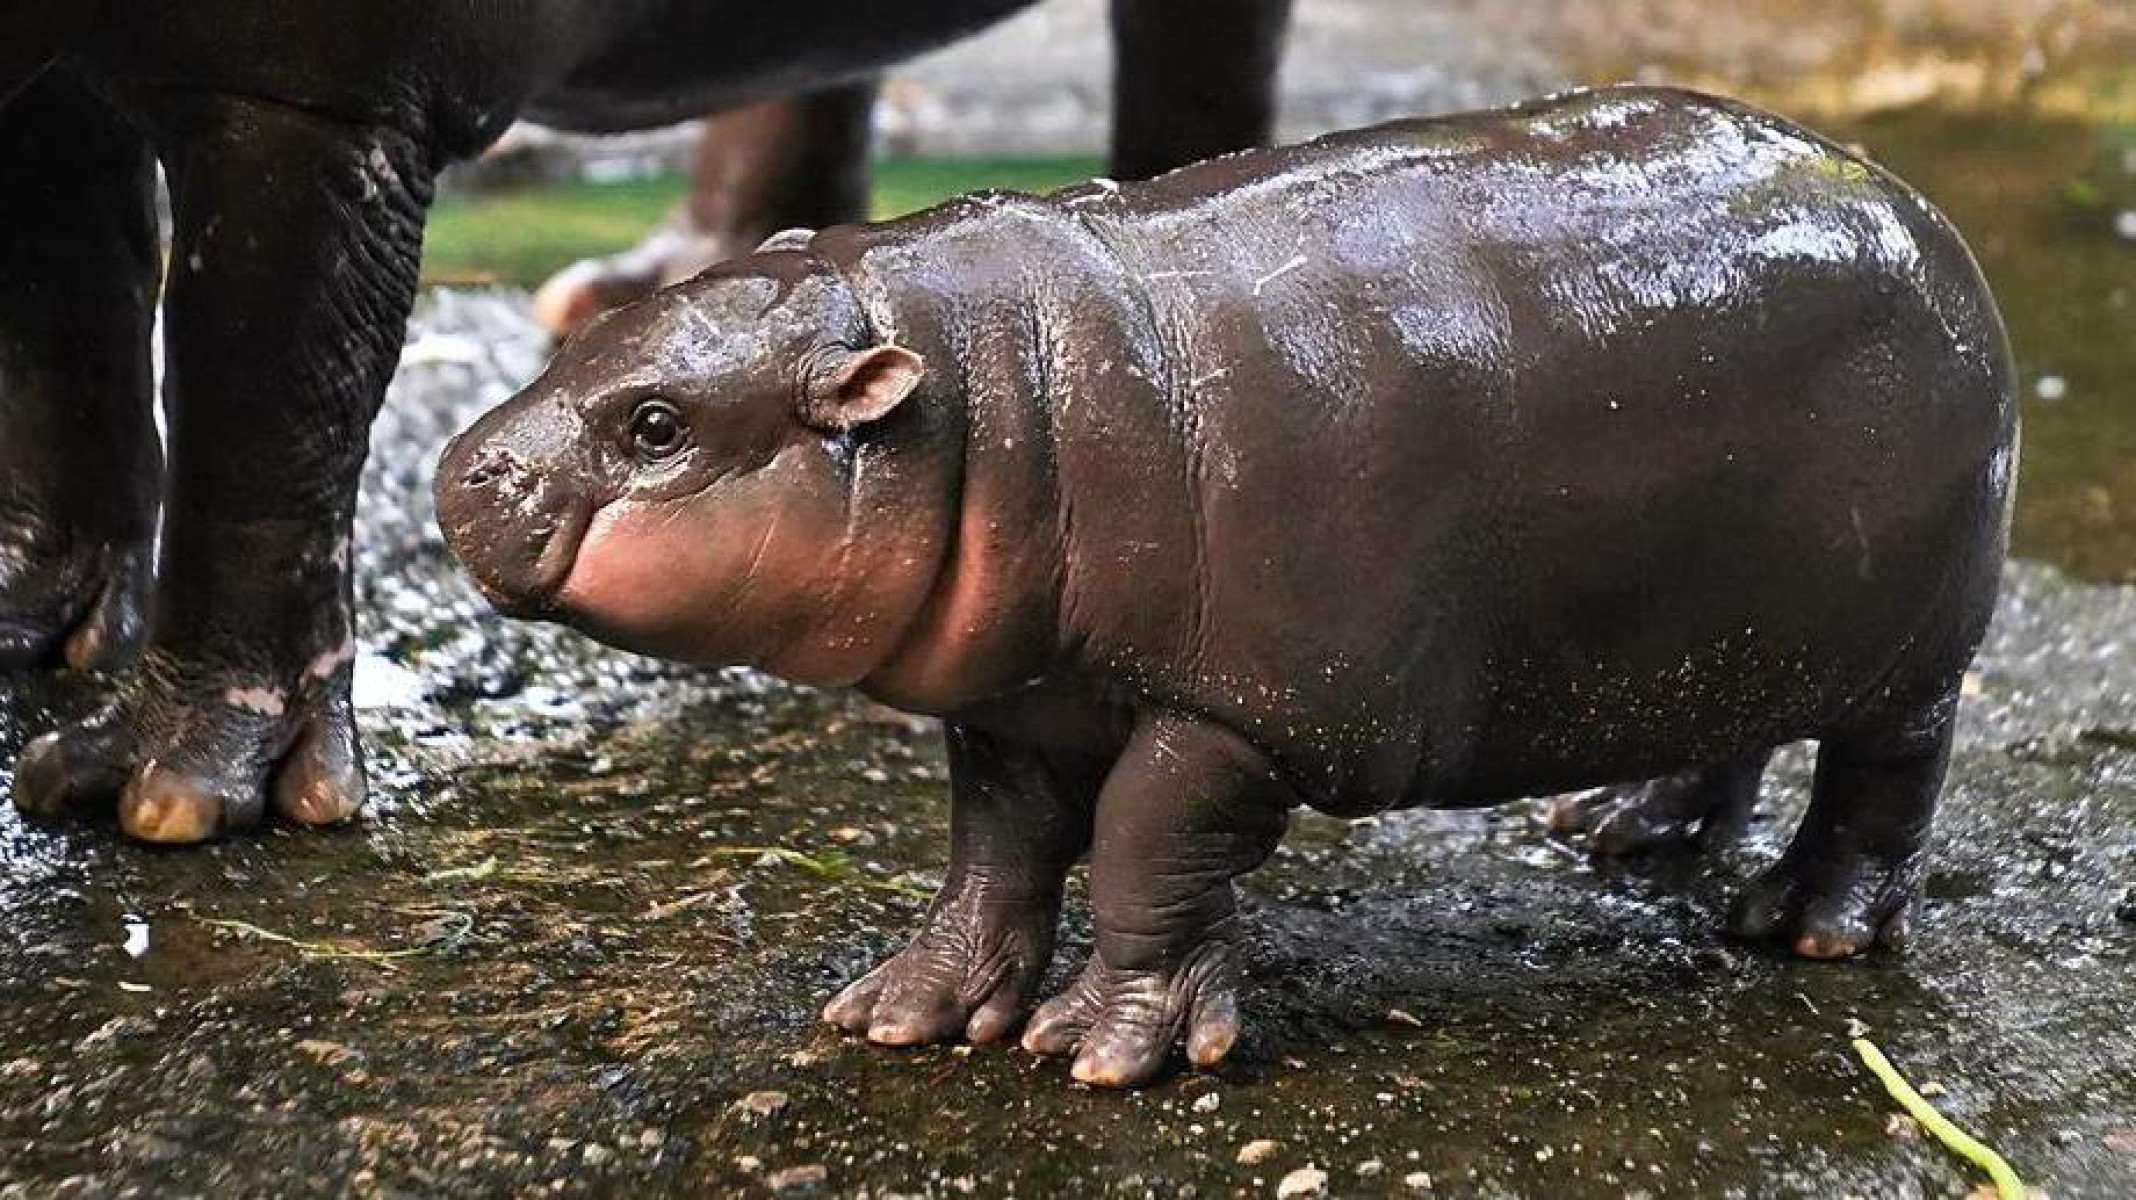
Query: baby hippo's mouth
x=515 y=524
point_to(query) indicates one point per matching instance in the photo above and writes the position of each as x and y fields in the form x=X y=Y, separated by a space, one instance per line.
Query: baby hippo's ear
x=853 y=388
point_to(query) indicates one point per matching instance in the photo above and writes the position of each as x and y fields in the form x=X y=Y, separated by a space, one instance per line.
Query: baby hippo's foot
x=1834 y=904
x=1121 y=1024
x=972 y=970
x=1706 y=807
x=1848 y=880
x=189 y=754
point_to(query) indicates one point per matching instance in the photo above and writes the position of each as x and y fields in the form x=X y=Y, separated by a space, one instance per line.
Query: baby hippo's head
x=682 y=480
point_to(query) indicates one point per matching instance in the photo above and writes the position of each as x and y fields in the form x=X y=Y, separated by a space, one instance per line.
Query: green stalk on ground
x=2008 y=1186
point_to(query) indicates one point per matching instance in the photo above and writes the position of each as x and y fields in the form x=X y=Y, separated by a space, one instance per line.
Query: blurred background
x=2018 y=117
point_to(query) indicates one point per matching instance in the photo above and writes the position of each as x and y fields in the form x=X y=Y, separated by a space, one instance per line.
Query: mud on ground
x=579 y=945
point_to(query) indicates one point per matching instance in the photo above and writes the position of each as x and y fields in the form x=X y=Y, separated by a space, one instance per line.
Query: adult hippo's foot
x=1848 y=880
x=1189 y=807
x=1708 y=807
x=80 y=467
x=188 y=758
x=282 y=330
x=196 y=747
x=800 y=161
x=71 y=593
x=1018 y=821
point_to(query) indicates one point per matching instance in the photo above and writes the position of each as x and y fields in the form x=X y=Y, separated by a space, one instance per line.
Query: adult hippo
x=301 y=142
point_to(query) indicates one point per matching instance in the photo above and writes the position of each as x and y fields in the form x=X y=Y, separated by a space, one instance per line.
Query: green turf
x=521 y=237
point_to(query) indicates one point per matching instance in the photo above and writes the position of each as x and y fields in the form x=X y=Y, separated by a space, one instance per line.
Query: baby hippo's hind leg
x=1017 y=824
x=1709 y=806
x=1188 y=808
x=1849 y=878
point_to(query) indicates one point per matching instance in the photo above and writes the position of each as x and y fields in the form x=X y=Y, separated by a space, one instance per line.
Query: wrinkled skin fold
x=301 y=143
x=1614 y=439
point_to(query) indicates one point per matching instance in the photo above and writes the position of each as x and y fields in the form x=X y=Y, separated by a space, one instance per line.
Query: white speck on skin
x=1296 y=262
x=265 y=701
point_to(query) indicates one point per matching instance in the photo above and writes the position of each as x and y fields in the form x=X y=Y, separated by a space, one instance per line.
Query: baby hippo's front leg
x=1017 y=823
x=1188 y=807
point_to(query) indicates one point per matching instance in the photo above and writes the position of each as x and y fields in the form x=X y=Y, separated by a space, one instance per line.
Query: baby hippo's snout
x=512 y=507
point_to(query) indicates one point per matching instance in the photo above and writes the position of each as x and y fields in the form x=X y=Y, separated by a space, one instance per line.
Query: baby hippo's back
x=1516 y=451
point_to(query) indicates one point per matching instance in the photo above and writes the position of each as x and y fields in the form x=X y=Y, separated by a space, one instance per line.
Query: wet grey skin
x=302 y=143
x=1619 y=437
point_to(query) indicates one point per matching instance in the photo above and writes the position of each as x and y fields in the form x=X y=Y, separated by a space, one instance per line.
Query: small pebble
x=1370 y=1167
x=1208 y=1103
x=2051 y=388
x=326 y=1054
x=759 y=1106
x=791 y=1181
x=1417 y=1181
x=1258 y=1151
x=1305 y=1181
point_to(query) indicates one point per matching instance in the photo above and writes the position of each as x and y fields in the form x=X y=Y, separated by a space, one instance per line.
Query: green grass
x=522 y=237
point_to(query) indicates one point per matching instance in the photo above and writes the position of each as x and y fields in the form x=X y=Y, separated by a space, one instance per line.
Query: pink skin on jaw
x=748 y=571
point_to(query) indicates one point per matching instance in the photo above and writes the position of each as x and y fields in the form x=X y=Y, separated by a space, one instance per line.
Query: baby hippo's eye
x=656 y=430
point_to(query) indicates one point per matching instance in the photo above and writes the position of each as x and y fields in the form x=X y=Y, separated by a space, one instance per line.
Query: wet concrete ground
x=579 y=945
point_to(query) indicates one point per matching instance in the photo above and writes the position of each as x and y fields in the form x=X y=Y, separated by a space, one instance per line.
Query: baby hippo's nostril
x=492 y=467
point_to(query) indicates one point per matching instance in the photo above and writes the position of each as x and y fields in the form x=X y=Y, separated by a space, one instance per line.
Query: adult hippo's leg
x=1709 y=806
x=1017 y=824
x=1192 y=81
x=1849 y=877
x=798 y=161
x=80 y=467
x=1189 y=807
x=293 y=270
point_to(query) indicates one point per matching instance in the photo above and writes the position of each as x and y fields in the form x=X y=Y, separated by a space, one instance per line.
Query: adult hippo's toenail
x=159 y=806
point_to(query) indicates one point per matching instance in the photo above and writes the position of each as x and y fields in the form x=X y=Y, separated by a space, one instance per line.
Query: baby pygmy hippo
x=1620 y=436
